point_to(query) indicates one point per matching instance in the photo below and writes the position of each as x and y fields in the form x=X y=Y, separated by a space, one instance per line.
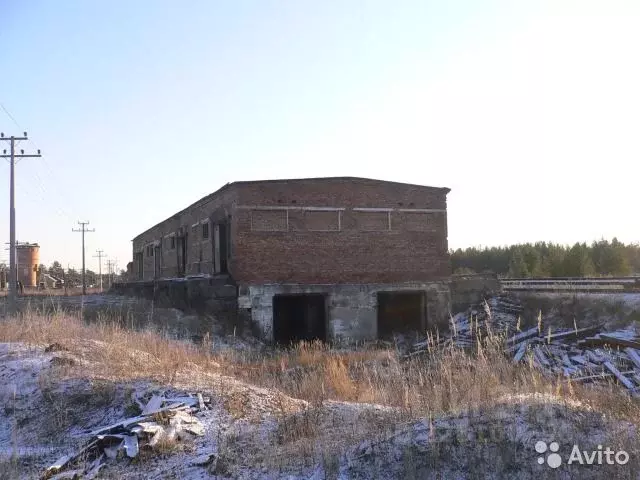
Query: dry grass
x=440 y=383
x=54 y=292
x=443 y=382
x=107 y=350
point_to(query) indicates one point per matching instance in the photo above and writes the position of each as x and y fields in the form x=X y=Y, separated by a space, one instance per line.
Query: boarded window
x=372 y=221
x=420 y=221
x=318 y=220
x=269 y=220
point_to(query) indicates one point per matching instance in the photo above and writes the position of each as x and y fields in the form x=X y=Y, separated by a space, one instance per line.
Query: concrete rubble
x=161 y=419
x=589 y=354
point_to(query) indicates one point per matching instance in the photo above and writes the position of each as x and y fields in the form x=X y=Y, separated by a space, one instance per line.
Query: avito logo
x=600 y=456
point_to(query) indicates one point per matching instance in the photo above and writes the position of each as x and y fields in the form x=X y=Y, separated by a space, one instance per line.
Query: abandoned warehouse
x=338 y=258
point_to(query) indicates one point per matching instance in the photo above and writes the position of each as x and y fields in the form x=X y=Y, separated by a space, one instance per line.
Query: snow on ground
x=257 y=433
x=496 y=443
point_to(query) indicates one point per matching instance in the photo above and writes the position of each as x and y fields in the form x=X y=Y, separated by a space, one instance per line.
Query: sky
x=529 y=111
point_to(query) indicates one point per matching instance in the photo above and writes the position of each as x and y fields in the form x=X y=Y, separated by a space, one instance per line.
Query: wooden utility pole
x=83 y=229
x=99 y=256
x=110 y=267
x=13 y=272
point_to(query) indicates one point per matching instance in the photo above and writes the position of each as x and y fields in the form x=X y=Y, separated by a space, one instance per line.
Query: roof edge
x=228 y=185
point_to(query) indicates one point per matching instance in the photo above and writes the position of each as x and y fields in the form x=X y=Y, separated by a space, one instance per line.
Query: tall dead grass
x=440 y=382
x=106 y=349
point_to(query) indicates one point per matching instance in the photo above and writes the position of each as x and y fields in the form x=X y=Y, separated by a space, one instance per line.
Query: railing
x=595 y=284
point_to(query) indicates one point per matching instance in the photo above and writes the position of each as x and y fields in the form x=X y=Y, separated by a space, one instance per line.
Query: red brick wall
x=361 y=252
x=312 y=250
x=341 y=192
x=198 y=247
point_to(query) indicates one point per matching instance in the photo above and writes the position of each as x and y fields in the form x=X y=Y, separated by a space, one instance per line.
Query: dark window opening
x=173 y=243
x=400 y=312
x=205 y=230
x=299 y=318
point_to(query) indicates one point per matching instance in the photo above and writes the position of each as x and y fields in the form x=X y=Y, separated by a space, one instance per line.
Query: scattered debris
x=161 y=418
x=55 y=347
x=581 y=354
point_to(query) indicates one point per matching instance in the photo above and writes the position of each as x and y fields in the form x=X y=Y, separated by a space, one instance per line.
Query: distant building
x=314 y=258
x=28 y=260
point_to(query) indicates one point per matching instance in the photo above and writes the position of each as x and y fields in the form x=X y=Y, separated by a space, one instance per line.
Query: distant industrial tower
x=28 y=260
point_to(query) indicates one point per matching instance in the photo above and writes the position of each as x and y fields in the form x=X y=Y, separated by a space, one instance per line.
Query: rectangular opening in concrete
x=400 y=312
x=299 y=317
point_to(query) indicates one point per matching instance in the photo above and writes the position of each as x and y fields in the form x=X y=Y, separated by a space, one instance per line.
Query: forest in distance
x=547 y=259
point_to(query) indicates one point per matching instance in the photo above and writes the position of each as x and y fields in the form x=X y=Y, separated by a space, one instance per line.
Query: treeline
x=542 y=259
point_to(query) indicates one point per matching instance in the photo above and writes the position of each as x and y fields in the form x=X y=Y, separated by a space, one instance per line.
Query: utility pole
x=109 y=265
x=13 y=271
x=83 y=229
x=99 y=256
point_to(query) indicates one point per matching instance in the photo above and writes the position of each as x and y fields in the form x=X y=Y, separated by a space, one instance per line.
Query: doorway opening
x=181 y=253
x=401 y=312
x=299 y=318
x=221 y=247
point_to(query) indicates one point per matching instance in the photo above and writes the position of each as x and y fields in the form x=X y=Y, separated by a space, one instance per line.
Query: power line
x=13 y=273
x=60 y=209
x=10 y=116
x=83 y=229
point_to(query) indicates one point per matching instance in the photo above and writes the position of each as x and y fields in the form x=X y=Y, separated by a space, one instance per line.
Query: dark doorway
x=140 y=265
x=157 y=262
x=224 y=248
x=400 y=312
x=182 y=254
x=299 y=317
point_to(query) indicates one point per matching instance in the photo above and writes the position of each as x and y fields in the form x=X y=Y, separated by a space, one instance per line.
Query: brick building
x=334 y=258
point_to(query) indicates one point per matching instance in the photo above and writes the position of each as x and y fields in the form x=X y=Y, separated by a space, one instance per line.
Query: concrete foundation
x=351 y=310
x=469 y=289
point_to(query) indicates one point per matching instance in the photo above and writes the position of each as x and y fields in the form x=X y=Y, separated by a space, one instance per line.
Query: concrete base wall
x=185 y=294
x=352 y=310
x=470 y=289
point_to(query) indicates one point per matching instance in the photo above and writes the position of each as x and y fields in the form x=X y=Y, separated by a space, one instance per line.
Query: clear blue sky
x=530 y=114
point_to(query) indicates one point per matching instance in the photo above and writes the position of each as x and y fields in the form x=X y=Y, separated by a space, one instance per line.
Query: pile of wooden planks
x=496 y=315
x=582 y=354
x=161 y=418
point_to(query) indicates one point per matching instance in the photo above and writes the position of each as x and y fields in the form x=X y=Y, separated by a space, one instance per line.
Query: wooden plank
x=619 y=342
x=633 y=356
x=574 y=334
x=541 y=357
x=589 y=378
x=532 y=332
x=594 y=357
x=134 y=420
x=581 y=360
x=624 y=380
x=520 y=353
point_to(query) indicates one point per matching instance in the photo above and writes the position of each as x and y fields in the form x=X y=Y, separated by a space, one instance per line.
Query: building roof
x=225 y=187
